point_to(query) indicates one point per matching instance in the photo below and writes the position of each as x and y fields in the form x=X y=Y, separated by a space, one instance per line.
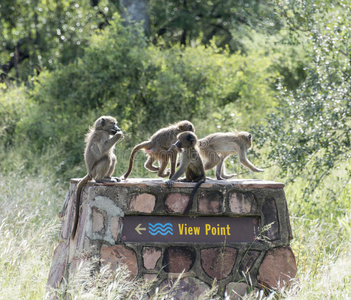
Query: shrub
x=145 y=86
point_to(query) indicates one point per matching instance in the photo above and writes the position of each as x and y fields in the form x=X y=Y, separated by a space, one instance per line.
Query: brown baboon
x=190 y=163
x=216 y=147
x=99 y=157
x=157 y=149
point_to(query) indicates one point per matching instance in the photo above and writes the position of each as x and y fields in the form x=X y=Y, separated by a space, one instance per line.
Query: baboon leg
x=112 y=165
x=219 y=169
x=213 y=160
x=149 y=164
x=112 y=169
x=226 y=176
x=173 y=156
x=100 y=172
x=163 y=167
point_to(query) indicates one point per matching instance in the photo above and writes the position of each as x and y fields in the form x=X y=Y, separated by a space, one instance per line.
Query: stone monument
x=235 y=229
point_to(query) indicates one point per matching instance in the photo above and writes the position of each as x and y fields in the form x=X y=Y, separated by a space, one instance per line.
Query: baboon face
x=108 y=124
x=186 y=126
x=186 y=140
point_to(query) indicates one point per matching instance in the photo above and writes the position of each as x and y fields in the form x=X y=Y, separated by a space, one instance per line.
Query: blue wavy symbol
x=162 y=229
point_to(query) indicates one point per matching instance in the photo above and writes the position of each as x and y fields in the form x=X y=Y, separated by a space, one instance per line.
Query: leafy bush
x=13 y=106
x=145 y=87
x=308 y=136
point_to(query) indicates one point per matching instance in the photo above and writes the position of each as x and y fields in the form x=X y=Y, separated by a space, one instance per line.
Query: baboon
x=99 y=157
x=157 y=149
x=190 y=163
x=216 y=147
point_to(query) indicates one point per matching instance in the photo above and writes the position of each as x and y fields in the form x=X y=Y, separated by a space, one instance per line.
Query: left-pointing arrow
x=138 y=229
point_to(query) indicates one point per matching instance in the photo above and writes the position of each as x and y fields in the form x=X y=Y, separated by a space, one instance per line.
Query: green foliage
x=145 y=87
x=226 y=22
x=309 y=134
x=38 y=35
x=45 y=33
x=13 y=106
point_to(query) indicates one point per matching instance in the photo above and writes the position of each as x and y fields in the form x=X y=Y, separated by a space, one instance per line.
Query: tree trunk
x=135 y=11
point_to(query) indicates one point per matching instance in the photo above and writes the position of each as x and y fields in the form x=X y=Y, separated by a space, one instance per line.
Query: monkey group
x=196 y=156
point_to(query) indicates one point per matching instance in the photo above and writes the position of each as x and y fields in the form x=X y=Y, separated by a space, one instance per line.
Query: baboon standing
x=157 y=149
x=216 y=147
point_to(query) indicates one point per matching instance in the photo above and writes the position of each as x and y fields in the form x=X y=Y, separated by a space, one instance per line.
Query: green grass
x=29 y=228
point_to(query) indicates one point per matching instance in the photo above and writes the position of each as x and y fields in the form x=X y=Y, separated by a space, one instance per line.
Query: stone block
x=291 y=236
x=119 y=254
x=247 y=261
x=176 y=203
x=115 y=228
x=179 y=259
x=188 y=288
x=98 y=221
x=278 y=268
x=269 y=211
x=241 y=203
x=236 y=290
x=143 y=203
x=67 y=219
x=210 y=202
x=79 y=263
x=150 y=277
x=259 y=184
x=58 y=265
x=218 y=262
x=151 y=256
x=82 y=224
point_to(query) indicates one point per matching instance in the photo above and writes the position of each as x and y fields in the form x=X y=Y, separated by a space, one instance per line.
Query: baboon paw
x=169 y=183
x=219 y=177
x=229 y=176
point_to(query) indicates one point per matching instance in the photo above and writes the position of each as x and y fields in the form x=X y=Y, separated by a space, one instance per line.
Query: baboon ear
x=249 y=136
x=191 y=139
x=102 y=122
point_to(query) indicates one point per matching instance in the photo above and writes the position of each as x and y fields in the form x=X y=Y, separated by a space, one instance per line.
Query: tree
x=39 y=34
x=309 y=134
x=185 y=21
x=135 y=11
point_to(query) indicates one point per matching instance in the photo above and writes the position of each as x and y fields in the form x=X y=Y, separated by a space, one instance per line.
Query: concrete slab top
x=242 y=183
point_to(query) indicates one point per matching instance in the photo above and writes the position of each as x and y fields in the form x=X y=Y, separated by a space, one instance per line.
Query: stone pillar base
x=235 y=230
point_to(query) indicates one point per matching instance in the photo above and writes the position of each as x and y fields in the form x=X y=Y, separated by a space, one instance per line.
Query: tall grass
x=28 y=230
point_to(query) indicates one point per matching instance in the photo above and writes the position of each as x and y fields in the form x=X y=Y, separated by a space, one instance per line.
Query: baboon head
x=108 y=124
x=186 y=126
x=246 y=138
x=186 y=139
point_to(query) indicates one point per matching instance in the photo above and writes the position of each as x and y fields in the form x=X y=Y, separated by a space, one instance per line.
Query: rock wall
x=234 y=230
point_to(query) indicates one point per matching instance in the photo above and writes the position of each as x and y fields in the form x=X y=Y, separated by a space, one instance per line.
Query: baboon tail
x=80 y=186
x=193 y=192
x=143 y=145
